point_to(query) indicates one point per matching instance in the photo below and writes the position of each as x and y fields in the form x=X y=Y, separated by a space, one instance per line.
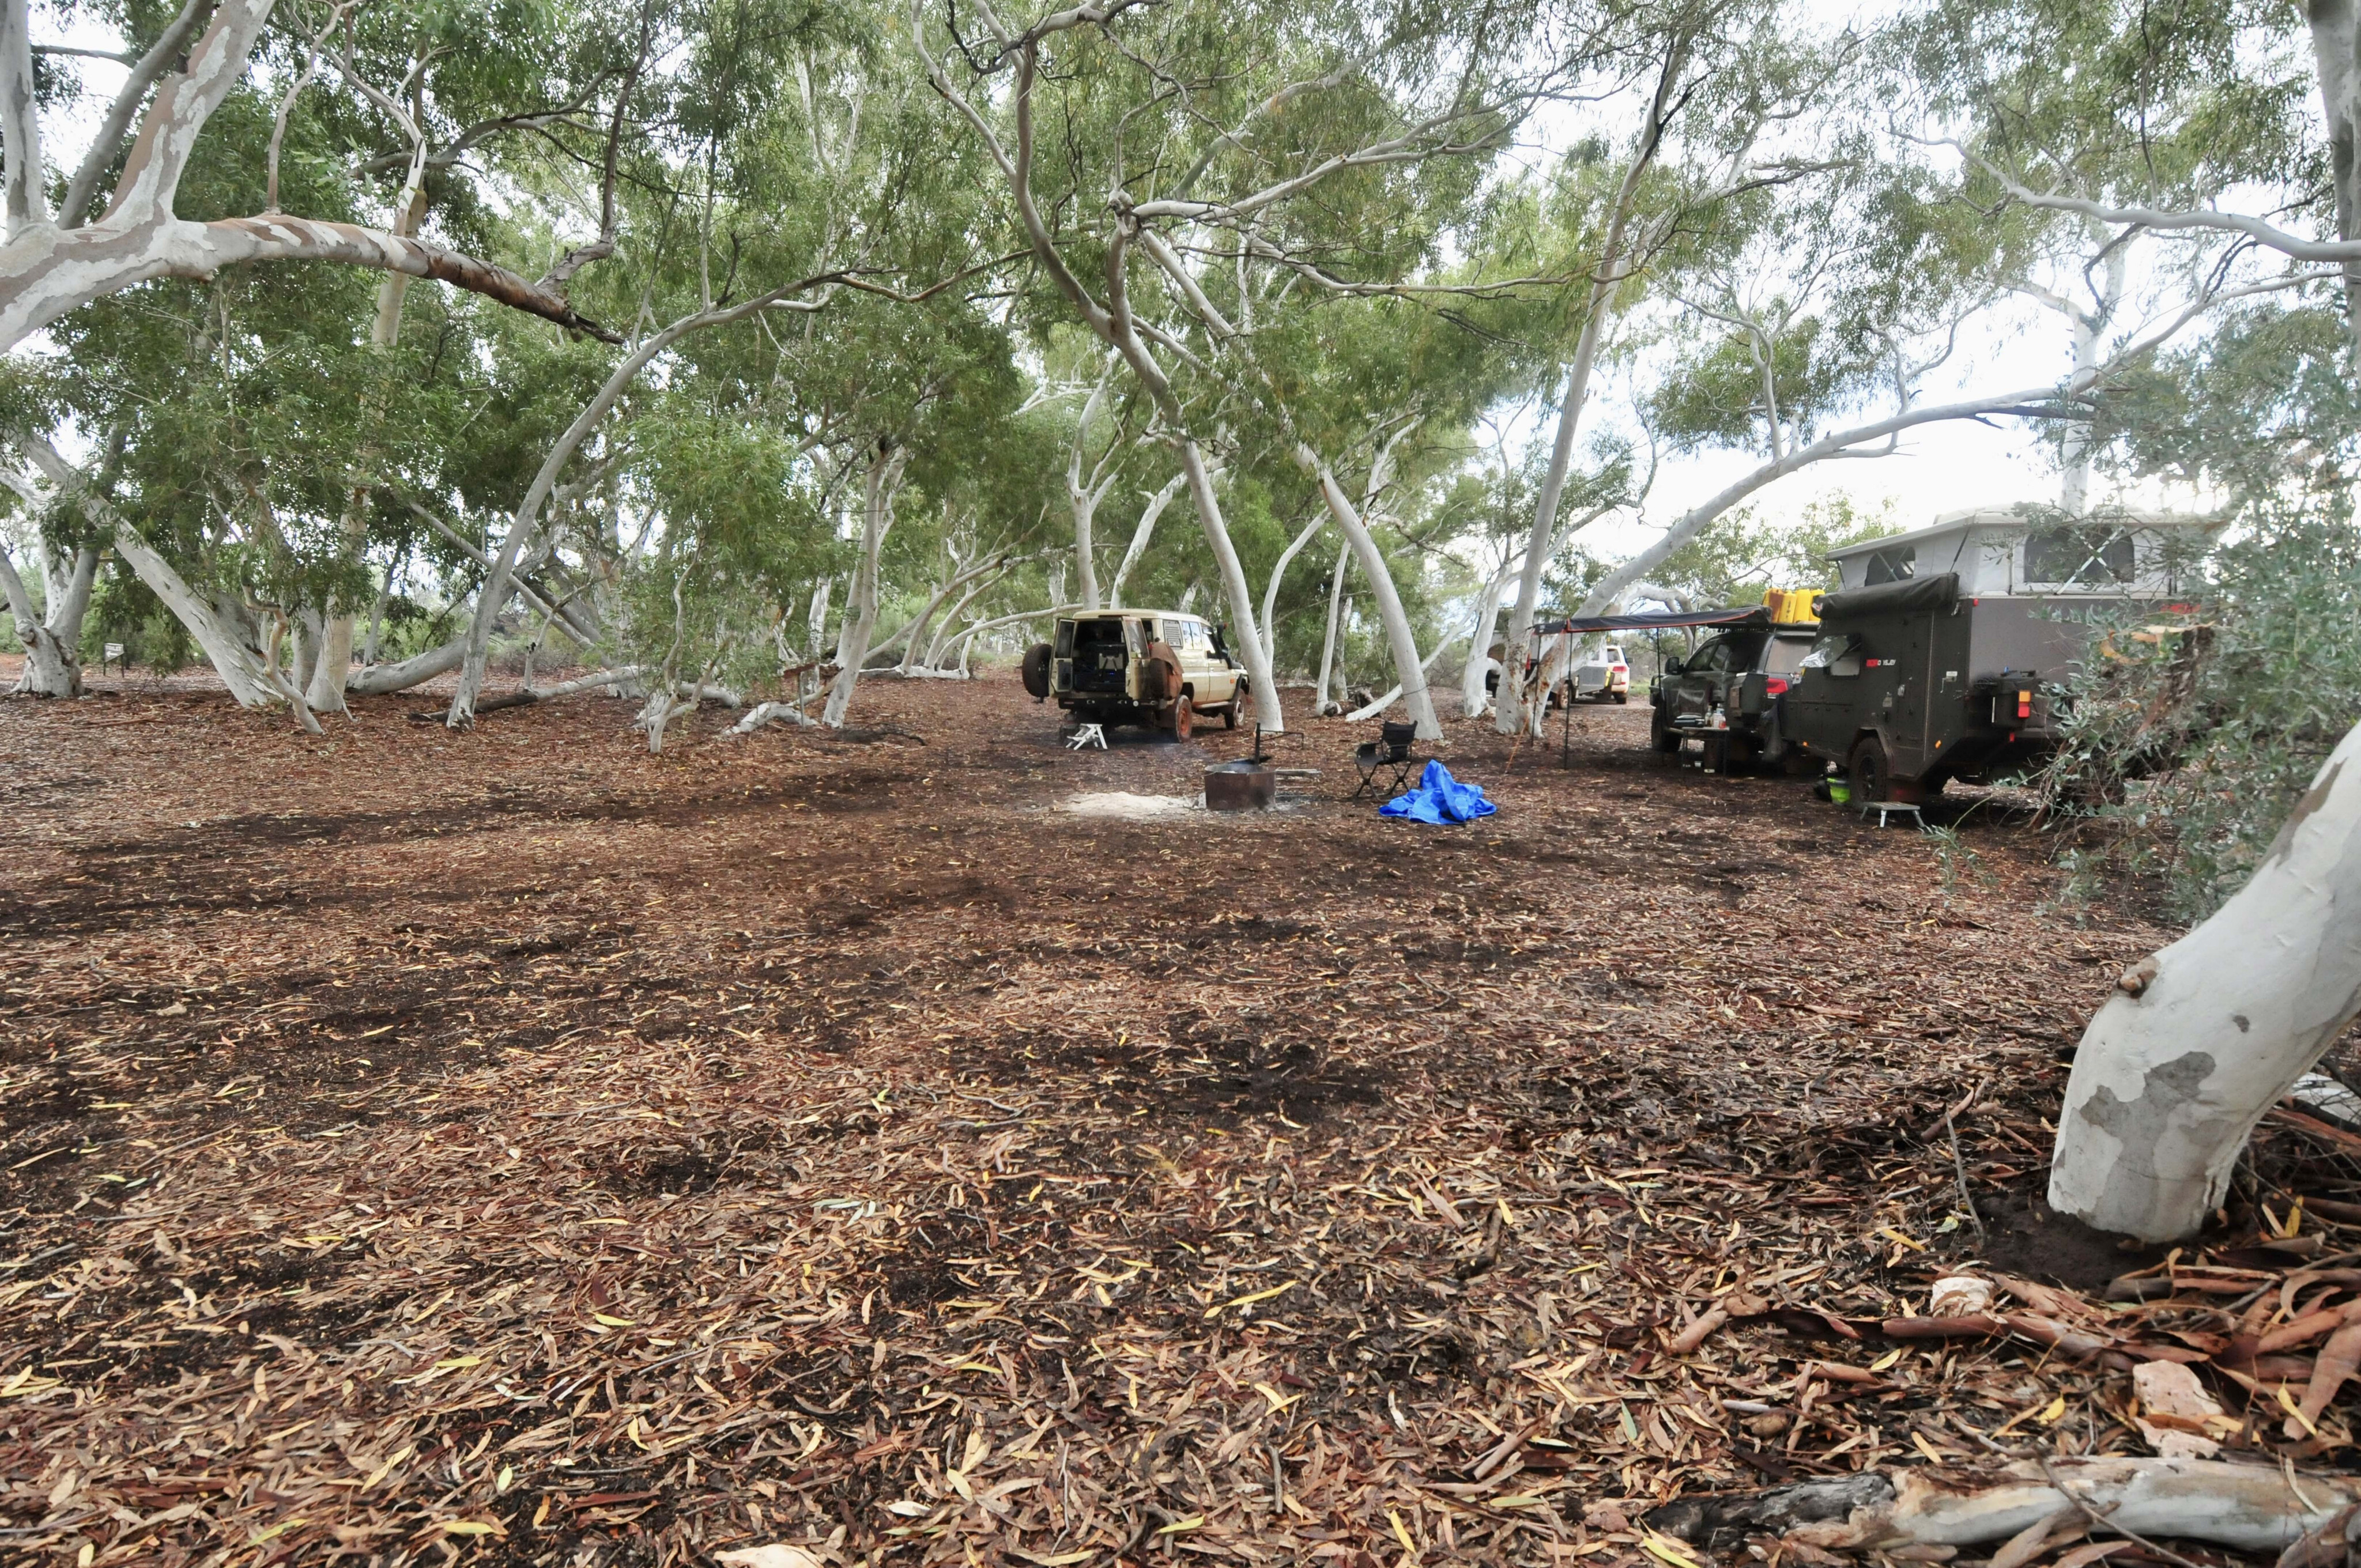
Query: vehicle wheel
x=1873 y=773
x=1240 y=710
x=1663 y=736
x=1185 y=718
x=1036 y=670
x=1622 y=698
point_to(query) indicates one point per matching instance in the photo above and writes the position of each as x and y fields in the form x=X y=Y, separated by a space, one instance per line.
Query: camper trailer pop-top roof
x=2001 y=554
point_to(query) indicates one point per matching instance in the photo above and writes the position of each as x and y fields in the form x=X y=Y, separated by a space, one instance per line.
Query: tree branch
x=21 y=122
x=169 y=47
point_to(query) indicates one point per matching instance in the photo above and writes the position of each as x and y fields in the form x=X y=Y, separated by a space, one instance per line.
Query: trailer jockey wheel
x=1183 y=717
x=1872 y=775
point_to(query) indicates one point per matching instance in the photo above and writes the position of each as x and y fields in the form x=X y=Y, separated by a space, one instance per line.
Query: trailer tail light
x=1774 y=684
x=2024 y=705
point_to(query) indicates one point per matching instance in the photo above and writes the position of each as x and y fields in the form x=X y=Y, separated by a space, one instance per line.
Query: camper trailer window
x=1838 y=654
x=2070 y=558
x=1891 y=567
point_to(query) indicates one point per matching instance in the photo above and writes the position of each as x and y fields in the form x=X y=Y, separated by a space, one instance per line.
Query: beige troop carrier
x=1161 y=668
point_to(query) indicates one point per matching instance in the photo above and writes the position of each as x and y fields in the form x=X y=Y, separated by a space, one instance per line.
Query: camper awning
x=1752 y=615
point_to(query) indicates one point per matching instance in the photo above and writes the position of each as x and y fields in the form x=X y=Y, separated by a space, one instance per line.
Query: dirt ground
x=514 y=1147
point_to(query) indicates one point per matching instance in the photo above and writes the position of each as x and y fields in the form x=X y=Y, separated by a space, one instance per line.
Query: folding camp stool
x=1087 y=735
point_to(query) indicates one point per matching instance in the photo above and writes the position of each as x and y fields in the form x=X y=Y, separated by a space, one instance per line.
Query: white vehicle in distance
x=1605 y=677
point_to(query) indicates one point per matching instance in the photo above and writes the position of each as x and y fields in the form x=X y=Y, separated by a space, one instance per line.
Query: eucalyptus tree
x=2163 y=130
x=804 y=170
x=255 y=423
x=117 y=221
x=1169 y=170
x=2171 y=110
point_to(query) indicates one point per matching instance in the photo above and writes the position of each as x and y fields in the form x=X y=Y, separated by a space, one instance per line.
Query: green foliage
x=2191 y=736
x=1738 y=558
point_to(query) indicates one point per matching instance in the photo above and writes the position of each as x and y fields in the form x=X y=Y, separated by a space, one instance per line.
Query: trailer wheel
x=1873 y=773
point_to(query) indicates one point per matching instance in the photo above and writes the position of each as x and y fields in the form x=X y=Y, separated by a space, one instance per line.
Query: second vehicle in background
x=1604 y=676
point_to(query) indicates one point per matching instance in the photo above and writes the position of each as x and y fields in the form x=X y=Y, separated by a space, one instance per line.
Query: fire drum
x=1241 y=786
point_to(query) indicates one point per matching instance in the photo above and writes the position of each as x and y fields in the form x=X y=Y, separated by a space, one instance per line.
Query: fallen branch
x=764 y=713
x=2249 y=1507
x=525 y=696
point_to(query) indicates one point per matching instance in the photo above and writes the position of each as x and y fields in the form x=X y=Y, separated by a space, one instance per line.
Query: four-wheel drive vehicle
x=1605 y=677
x=1735 y=686
x=1156 y=667
x=1912 y=683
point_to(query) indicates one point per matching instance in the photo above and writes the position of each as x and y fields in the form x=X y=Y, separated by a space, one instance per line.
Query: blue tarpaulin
x=1439 y=799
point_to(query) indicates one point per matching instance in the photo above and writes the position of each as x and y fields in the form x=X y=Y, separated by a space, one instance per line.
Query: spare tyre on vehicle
x=1037 y=672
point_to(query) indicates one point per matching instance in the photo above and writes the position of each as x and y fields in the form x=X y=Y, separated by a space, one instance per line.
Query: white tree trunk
x=1410 y=670
x=1142 y=533
x=1320 y=701
x=818 y=622
x=2336 y=57
x=916 y=656
x=861 y=604
x=1085 y=491
x=51 y=636
x=1245 y=637
x=2206 y=1034
x=949 y=630
x=375 y=680
x=231 y=641
x=1271 y=588
x=1473 y=699
x=1613 y=264
x=333 y=666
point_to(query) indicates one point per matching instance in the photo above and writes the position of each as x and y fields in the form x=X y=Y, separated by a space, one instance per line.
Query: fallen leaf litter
x=514 y=1147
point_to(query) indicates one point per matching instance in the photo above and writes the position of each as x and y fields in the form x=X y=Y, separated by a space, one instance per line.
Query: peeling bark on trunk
x=52 y=637
x=2204 y=1036
x=861 y=604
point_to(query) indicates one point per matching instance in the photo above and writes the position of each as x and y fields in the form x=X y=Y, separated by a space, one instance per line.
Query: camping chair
x=1386 y=758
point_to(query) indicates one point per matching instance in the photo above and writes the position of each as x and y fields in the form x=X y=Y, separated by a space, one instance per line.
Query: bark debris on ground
x=514 y=1147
